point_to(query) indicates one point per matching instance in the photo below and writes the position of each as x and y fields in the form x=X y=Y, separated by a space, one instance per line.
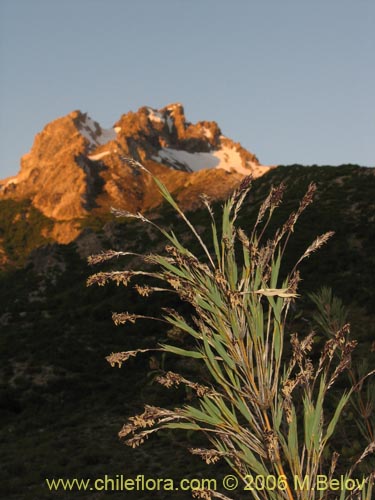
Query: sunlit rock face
x=76 y=168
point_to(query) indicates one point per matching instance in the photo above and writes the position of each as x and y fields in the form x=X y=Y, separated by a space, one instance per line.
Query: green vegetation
x=95 y=221
x=264 y=413
x=21 y=229
x=62 y=404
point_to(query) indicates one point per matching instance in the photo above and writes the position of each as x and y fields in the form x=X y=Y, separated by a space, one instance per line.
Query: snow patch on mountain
x=170 y=123
x=5 y=183
x=98 y=156
x=155 y=116
x=226 y=158
x=95 y=135
x=207 y=132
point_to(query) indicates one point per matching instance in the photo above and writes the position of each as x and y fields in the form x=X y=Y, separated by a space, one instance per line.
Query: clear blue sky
x=292 y=80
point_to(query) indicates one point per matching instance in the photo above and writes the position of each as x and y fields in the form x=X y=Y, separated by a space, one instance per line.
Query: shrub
x=262 y=411
x=22 y=227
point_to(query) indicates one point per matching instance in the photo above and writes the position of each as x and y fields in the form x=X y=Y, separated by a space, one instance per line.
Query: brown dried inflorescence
x=119 y=277
x=120 y=357
x=105 y=256
x=300 y=349
x=122 y=318
x=174 y=282
x=276 y=195
x=293 y=284
x=201 y=494
x=341 y=343
x=272 y=201
x=345 y=361
x=308 y=198
x=144 y=291
x=287 y=389
x=246 y=183
x=272 y=444
x=171 y=379
x=209 y=456
x=317 y=243
x=243 y=238
x=150 y=419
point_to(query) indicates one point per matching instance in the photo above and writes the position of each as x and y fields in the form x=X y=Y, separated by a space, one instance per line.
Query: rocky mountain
x=76 y=168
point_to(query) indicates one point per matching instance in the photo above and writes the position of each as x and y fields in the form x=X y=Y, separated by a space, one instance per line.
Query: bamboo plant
x=262 y=412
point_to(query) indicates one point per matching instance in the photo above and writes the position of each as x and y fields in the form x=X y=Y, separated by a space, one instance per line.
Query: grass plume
x=263 y=413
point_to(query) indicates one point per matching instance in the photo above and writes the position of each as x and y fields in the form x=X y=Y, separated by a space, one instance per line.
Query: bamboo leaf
x=308 y=414
x=293 y=442
x=276 y=292
x=182 y=325
x=181 y=352
x=216 y=242
x=331 y=426
x=183 y=425
x=202 y=416
x=223 y=353
x=275 y=268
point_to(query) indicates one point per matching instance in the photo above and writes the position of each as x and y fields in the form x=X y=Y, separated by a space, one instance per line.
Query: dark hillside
x=62 y=404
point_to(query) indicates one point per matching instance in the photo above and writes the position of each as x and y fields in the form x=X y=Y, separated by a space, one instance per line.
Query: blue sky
x=292 y=80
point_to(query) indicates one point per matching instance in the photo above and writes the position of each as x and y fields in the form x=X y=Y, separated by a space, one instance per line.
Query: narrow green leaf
x=223 y=352
x=202 y=416
x=331 y=426
x=181 y=352
x=275 y=268
x=276 y=292
x=216 y=242
x=183 y=425
x=293 y=441
x=182 y=325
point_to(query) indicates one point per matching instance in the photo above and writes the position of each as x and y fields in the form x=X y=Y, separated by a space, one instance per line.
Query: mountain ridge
x=75 y=167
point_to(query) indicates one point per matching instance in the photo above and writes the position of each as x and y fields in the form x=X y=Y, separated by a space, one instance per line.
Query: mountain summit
x=76 y=167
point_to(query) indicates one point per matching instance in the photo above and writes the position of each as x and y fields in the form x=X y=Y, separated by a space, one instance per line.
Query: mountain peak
x=165 y=136
x=75 y=166
x=94 y=134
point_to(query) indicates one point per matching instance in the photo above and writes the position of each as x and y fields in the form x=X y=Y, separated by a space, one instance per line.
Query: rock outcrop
x=76 y=168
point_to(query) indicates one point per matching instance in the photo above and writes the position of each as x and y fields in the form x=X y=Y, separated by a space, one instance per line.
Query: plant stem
x=279 y=466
